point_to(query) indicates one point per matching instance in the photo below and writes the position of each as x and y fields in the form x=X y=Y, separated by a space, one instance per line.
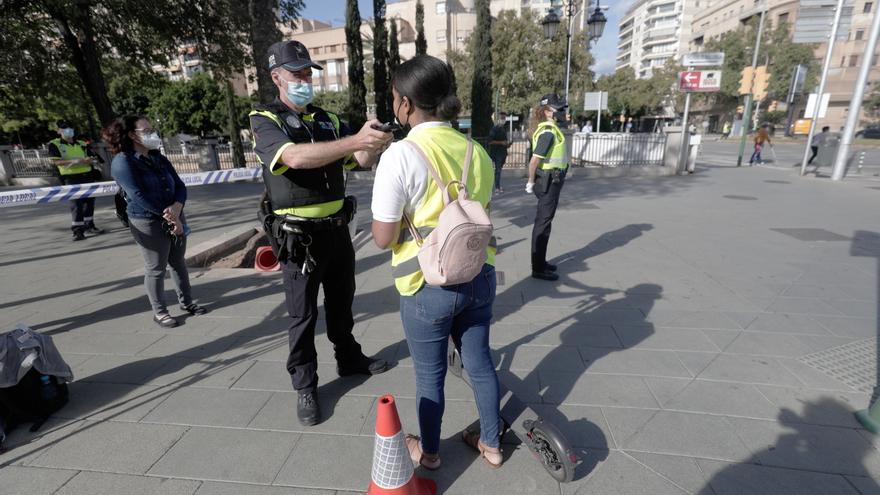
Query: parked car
x=872 y=132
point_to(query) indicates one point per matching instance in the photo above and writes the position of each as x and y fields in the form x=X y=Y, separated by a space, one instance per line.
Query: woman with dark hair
x=424 y=102
x=155 y=196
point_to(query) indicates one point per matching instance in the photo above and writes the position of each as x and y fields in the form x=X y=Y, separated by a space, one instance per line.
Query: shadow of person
x=806 y=459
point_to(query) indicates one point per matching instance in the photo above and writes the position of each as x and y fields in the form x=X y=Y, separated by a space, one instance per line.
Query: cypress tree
x=481 y=88
x=357 y=91
x=393 y=48
x=380 y=62
x=421 y=42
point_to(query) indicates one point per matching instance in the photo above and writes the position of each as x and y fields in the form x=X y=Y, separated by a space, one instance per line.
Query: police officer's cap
x=292 y=55
x=553 y=101
x=63 y=124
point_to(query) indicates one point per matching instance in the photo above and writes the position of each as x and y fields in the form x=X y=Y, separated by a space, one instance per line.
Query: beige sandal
x=494 y=457
x=427 y=461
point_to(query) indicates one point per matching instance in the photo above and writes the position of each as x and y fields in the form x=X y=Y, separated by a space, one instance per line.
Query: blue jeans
x=429 y=317
x=756 y=156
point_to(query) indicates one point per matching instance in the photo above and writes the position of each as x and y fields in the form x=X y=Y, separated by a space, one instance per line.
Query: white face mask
x=67 y=132
x=151 y=141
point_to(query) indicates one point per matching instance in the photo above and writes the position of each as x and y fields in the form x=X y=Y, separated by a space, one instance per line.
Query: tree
x=872 y=105
x=481 y=92
x=380 y=63
x=783 y=56
x=462 y=65
x=421 y=42
x=357 y=91
x=393 y=49
x=198 y=107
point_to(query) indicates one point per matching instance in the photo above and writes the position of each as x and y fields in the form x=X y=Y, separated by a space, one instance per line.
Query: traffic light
x=762 y=80
x=745 y=82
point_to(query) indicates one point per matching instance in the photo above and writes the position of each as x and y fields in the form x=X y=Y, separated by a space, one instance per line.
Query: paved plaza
x=698 y=341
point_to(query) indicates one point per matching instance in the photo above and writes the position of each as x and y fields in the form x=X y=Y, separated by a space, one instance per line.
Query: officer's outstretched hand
x=373 y=140
x=530 y=187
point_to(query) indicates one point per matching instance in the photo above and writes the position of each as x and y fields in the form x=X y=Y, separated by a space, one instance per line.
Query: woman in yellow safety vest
x=425 y=102
x=547 y=170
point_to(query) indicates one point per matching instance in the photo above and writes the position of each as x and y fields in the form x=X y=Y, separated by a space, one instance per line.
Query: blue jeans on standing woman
x=430 y=317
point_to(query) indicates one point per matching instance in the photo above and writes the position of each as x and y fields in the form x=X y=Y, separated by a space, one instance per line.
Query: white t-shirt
x=401 y=180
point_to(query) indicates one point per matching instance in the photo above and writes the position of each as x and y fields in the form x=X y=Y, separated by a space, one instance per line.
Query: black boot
x=361 y=365
x=307 y=410
x=78 y=234
x=545 y=274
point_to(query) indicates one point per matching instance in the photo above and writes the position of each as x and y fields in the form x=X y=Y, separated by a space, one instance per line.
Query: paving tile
x=185 y=372
x=104 y=342
x=340 y=415
x=204 y=348
x=23 y=446
x=732 y=399
x=634 y=362
x=768 y=344
x=111 y=401
x=865 y=485
x=209 y=407
x=595 y=389
x=665 y=338
x=236 y=455
x=582 y=426
x=850 y=327
x=573 y=335
x=620 y=473
x=118 y=369
x=677 y=433
x=696 y=362
x=108 y=446
x=735 y=479
x=721 y=338
x=90 y=483
x=788 y=323
x=542 y=358
x=820 y=291
x=749 y=369
x=789 y=443
x=684 y=472
x=693 y=319
x=811 y=377
x=802 y=305
x=216 y=488
x=818 y=407
x=19 y=479
x=856 y=309
x=353 y=457
x=271 y=376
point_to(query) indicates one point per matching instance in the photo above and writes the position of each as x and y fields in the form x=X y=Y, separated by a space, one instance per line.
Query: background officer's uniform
x=82 y=211
x=306 y=216
x=548 y=143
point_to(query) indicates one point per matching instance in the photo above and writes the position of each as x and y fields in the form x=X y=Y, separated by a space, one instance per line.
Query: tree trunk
x=84 y=57
x=235 y=145
x=264 y=33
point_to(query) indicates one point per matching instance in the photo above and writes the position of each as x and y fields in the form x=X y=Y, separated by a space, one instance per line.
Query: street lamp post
x=595 y=27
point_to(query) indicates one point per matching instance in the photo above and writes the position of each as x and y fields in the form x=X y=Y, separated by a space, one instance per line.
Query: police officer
x=304 y=150
x=74 y=163
x=547 y=170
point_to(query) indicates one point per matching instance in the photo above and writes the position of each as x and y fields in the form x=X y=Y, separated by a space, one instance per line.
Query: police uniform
x=548 y=143
x=82 y=211
x=306 y=213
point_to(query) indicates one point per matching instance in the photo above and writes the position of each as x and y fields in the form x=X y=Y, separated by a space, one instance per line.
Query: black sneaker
x=194 y=309
x=91 y=229
x=362 y=365
x=545 y=275
x=307 y=410
x=78 y=235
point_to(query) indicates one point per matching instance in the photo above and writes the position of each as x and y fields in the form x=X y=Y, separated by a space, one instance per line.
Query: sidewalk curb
x=201 y=253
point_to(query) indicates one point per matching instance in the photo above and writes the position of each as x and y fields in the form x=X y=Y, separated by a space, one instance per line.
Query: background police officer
x=74 y=163
x=547 y=170
x=303 y=150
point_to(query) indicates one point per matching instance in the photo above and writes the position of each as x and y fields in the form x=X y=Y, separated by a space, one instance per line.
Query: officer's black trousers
x=334 y=269
x=548 y=199
x=82 y=211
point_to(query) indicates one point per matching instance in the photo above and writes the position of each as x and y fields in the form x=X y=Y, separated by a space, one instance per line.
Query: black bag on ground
x=33 y=399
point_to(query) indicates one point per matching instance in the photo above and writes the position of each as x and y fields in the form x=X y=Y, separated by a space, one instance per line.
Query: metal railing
x=618 y=150
x=31 y=163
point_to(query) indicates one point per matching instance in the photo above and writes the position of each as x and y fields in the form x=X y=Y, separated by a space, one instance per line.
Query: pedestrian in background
x=587 y=128
x=818 y=140
x=725 y=130
x=762 y=137
x=155 y=196
x=498 y=144
x=424 y=100
x=75 y=163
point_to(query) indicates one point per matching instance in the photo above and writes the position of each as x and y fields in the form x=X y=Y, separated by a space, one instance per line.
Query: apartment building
x=848 y=56
x=653 y=32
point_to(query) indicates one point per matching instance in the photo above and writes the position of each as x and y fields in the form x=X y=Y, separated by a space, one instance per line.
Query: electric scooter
x=544 y=440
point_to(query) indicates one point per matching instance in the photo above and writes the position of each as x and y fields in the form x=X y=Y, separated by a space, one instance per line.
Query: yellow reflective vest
x=446 y=148
x=71 y=151
x=556 y=158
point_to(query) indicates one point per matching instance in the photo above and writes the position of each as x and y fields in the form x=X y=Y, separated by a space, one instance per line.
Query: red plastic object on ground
x=392 y=467
x=265 y=260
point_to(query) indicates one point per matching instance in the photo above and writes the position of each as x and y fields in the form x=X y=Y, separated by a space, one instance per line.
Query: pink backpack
x=455 y=251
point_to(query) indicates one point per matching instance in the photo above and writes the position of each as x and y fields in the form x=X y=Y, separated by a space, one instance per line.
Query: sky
x=605 y=51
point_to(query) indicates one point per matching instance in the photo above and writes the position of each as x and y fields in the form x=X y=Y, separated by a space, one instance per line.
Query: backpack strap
x=468 y=156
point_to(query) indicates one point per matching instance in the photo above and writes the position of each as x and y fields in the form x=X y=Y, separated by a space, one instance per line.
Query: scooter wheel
x=552 y=450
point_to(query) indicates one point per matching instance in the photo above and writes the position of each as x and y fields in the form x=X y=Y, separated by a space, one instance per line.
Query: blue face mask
x=300 y=93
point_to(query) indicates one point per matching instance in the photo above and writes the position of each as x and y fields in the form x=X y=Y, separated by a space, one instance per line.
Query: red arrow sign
x=689 y=80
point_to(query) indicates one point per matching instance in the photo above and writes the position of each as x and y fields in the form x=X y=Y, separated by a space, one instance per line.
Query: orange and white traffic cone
x=392 y=466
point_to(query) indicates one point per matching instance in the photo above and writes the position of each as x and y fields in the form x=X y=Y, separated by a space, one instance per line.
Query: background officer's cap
x=63 y=124
x=292 y=55
x=553 y=101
